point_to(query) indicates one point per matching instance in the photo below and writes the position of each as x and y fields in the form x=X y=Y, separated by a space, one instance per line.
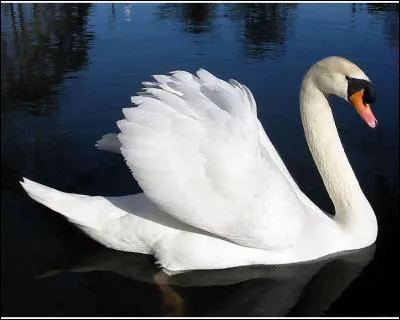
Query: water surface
x=66 y=72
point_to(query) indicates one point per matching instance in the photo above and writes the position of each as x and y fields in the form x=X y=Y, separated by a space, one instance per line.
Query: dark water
x=66 y=72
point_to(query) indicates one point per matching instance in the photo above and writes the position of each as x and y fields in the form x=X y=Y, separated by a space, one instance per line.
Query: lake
x=67 y=70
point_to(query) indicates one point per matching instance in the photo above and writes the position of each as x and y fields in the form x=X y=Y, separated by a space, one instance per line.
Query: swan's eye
x=356 y=85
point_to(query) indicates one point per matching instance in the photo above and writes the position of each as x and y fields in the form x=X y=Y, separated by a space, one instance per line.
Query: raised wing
x=193 y=145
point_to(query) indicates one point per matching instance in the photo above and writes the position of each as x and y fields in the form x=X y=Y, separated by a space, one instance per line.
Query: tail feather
x=109 y=142
x=82 y=210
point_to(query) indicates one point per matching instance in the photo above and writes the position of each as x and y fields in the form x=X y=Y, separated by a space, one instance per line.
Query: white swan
x=216 y=193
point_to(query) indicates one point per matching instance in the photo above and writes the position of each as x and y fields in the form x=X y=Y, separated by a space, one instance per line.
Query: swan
x=216 y=193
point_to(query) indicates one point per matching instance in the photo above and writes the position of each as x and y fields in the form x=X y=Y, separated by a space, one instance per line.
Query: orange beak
x=363 y=109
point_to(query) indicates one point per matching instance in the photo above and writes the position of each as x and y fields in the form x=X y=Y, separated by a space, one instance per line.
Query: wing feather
x=194 y=146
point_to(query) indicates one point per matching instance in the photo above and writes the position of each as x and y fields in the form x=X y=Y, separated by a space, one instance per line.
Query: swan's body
x=216 y=193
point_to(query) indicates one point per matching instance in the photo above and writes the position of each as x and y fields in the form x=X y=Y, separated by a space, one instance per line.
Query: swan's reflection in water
x=306 y=289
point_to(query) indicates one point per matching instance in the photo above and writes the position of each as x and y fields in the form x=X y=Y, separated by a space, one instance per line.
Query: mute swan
x=216 y=193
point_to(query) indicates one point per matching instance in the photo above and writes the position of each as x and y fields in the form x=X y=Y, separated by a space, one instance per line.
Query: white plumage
x=216 y=193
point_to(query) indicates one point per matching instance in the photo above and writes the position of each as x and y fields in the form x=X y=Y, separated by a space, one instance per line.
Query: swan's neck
x=352 y=209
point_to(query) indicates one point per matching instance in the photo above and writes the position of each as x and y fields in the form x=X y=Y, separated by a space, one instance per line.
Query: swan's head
x=341 y=77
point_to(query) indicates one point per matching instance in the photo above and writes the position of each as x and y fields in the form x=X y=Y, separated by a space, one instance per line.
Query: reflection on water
x=261 y=28
x=194 y=17
x=40 y=43
x=127 y=12
x=68 y=69
x=389 y=15
x=264 y=26
x=294 y=290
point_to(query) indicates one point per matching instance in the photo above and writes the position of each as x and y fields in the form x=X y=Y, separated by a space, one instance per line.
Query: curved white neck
x=352 y=209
